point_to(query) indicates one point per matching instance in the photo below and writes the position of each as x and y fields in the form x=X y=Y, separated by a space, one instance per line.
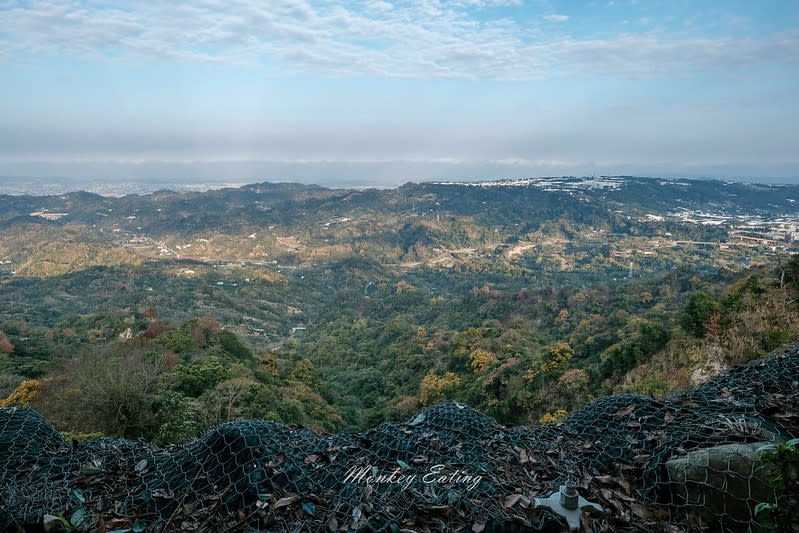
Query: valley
x=342 y=308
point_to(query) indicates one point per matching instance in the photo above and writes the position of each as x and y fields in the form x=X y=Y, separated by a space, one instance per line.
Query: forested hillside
x=157 y=316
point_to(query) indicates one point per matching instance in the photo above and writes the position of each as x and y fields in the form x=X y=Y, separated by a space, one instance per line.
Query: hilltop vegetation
x=156 y=316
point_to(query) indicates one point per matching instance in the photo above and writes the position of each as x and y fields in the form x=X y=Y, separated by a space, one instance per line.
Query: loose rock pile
x=652 y=464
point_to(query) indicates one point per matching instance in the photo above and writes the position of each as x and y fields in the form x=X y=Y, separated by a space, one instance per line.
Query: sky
x=381 y=92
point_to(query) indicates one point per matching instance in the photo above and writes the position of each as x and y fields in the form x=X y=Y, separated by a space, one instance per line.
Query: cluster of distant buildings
x=548 y=184
x=744 y=228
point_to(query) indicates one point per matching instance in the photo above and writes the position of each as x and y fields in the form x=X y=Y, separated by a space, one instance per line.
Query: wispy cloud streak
x=408 y=38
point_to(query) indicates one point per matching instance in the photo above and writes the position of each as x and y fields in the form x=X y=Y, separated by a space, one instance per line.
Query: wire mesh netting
x=687 y=461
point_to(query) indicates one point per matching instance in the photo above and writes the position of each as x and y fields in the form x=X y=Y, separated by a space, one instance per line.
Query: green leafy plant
x=79 y=436
x=784 y=459
x=77 y=515
x=77 y=518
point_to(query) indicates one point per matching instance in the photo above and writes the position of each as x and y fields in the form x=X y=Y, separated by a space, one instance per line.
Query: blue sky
x=381 y=92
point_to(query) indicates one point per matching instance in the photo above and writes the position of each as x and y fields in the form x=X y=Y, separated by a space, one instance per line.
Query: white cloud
x=643 y=56
x=379 y=6
x=402 y=38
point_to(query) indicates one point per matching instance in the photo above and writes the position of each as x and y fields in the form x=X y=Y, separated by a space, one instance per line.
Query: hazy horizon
x=18 y=185
x=383 y=92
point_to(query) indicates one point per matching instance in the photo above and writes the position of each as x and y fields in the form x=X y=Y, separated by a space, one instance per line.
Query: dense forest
x=158 y=316
x=525 y=356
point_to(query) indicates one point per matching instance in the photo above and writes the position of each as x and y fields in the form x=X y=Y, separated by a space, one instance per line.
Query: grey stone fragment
x=723 y=481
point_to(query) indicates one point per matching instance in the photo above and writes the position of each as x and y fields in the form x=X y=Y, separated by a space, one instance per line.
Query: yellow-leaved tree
x=435 y=388
x=481 y=360
x=23 y=394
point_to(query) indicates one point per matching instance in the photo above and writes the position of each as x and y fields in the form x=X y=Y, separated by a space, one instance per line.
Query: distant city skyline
x=380 y=93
